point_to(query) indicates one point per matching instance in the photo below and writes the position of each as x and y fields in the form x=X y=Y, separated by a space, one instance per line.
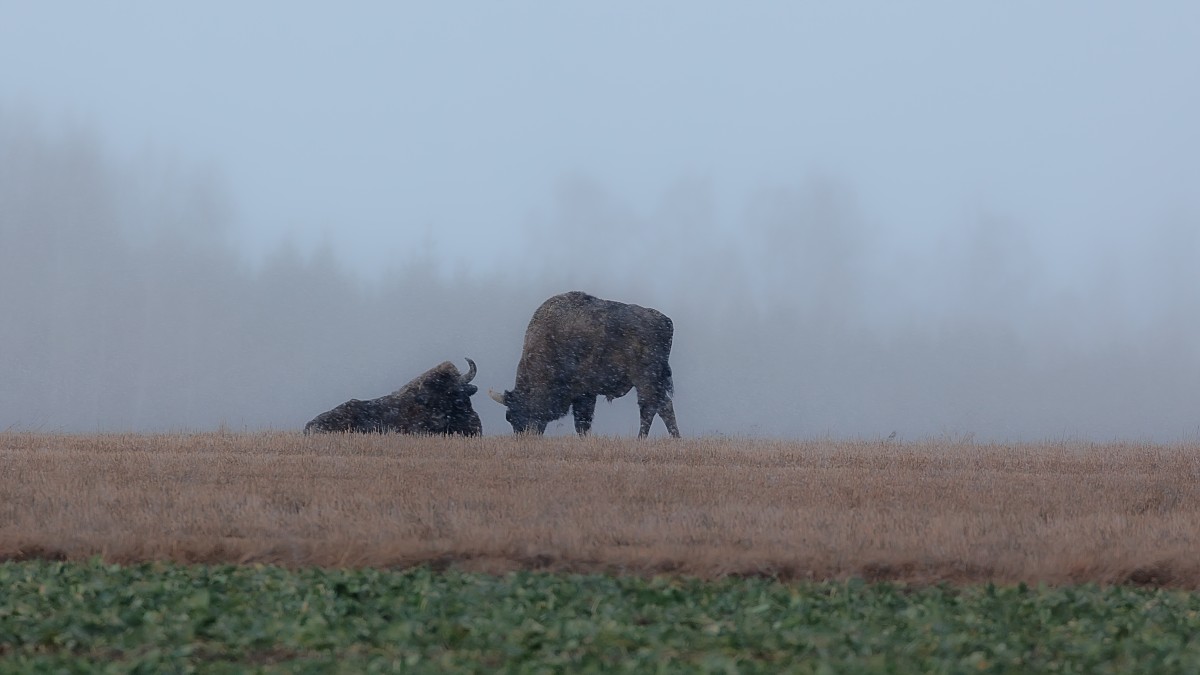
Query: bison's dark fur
x=578 y=347
x=436 y=402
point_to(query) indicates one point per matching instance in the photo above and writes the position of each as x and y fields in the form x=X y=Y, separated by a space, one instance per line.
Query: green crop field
x=155 y=617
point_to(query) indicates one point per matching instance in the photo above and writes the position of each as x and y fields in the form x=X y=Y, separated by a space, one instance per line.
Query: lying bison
x=436 y=402
x=578 y=347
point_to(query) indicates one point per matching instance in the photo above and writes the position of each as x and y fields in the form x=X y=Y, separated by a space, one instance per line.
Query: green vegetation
x=90 y=617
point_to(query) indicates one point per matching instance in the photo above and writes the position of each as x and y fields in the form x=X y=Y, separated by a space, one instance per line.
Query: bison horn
x=498 y=398
x=470 y=373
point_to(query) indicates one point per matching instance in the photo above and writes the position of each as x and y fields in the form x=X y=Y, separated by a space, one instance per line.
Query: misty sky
x=378 y=123
x=850 y=198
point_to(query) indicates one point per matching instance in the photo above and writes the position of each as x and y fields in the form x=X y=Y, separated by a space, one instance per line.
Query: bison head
x=446 y=402
x=522 y=416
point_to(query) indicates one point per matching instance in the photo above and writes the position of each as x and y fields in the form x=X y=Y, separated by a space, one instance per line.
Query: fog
x=127 y=305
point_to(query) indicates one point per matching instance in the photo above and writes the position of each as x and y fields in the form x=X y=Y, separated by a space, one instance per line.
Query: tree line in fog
x=127 y=306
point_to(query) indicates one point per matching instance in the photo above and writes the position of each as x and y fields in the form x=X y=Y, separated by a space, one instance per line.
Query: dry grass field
x=920 y=512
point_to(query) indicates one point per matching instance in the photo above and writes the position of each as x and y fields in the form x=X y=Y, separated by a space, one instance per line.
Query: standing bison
x=578 y=347
x=436 y=402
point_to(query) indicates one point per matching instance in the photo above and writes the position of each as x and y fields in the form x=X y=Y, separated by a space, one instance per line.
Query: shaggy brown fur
x=436 y=402
x=578 y=347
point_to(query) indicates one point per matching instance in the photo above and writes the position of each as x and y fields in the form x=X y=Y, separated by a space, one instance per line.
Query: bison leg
x=583 y=408
x=656 y=404
x=667 y=413
x=647 y=420
x=648 y=407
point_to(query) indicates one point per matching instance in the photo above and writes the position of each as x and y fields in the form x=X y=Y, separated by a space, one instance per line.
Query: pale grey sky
x=378 y=122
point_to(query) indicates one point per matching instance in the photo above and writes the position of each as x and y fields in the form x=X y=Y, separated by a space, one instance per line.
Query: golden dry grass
x=1054 y=513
